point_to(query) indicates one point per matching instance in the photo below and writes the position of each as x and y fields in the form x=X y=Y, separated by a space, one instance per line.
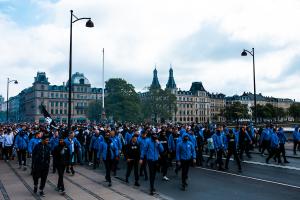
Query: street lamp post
x=7 y=102
x=89 y=24
x=244 y=53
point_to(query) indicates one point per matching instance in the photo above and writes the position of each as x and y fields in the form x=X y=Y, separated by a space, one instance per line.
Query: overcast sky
x=201 y=39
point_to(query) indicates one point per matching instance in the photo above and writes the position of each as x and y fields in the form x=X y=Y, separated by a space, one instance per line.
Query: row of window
x=65 y=112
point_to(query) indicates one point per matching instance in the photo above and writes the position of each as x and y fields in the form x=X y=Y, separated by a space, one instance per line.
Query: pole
x=103 y=80
x=70 y=74
x=255 y=107
x=7 y=100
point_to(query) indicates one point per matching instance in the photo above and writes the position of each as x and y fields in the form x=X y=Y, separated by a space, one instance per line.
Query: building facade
x=193 y=106
x=55 y=99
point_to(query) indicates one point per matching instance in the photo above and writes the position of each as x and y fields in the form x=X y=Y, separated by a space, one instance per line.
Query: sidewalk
x=85 y=184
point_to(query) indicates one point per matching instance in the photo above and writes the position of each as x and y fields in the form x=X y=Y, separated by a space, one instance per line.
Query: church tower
x=155 y=83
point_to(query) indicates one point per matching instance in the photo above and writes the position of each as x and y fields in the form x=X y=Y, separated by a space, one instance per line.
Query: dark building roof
x=197 y=86
x=41 y=78
x=155 y=83
x=171 y=82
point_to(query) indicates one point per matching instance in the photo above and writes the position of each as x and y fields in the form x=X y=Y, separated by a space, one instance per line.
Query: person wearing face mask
x=61 y=157
x=151 y=150
x=109 y=152
x=21 y=145
x=185 y=155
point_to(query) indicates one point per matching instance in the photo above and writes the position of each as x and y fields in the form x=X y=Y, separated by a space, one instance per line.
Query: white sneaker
x=165 y=178
x=90 y=163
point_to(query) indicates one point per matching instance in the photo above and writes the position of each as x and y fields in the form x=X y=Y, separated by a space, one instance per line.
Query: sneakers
x=286 y=161
x=109 y=184
x=42 y=194
x=24 y=168
x=165 y=178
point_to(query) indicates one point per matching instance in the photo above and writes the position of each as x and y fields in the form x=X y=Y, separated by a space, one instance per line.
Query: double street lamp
x=244 y=53
x=88 y=24
x=7 y=101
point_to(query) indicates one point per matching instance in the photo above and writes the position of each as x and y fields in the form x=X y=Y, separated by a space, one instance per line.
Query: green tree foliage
x=294 y=111
x=269 y=112
x=159 y=104
x=122 y=102
x=94 y=111
x=235 y=111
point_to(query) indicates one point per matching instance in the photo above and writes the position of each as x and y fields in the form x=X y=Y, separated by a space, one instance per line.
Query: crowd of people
x=145 y=148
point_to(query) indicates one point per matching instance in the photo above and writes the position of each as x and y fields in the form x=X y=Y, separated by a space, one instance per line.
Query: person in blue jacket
x=265 y=139
x=185 y=154
x=33 y=142
x=151 y=150
x=73 y=145
x=219 y=147
x=21 y=145
x=282 y=139
x=142 y=139
x=274 y=147
x=296 y=139
x=94 y=147
x=109 y=152
x=117 y=140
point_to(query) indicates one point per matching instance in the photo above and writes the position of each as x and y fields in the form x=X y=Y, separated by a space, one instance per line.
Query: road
x=257 y=181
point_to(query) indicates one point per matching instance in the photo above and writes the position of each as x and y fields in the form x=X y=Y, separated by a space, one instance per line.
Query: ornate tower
x=155 y=83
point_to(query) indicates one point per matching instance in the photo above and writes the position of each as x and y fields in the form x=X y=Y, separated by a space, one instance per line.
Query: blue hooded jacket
x=185 y=150
x=151 y=150
x=69 y=144
x=53 y=142
x=266 y=135
x=281 y=136
x=103 y=150
x=32 y=143
x=21 y=141
x=274 y=141
x=296 y=134
x=218 y=141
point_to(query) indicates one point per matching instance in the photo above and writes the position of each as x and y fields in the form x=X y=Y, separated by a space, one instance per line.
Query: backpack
x=210 y=144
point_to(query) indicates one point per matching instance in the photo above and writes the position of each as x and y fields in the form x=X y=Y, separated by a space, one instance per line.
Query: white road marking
x=252 y=178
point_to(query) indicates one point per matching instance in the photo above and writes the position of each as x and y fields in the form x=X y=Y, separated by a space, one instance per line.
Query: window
x=61 y=96
x=56 y=103
x=52 y=111
x=56 y=95
x=52 y=103
x=61 y=112
x=52 y=95
x=61 y=103
x=56 y=111
x=42 y=94
x=65 y=111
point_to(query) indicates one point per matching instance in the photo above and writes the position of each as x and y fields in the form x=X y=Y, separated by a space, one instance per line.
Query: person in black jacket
x=40 y=163
x=132 y=153
x=61 y=157
x=164 y=155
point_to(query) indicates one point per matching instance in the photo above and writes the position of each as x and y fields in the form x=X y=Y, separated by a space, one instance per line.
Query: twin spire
x=171 y=82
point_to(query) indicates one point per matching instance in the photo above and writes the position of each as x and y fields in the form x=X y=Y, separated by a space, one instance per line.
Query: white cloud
x=137 y=34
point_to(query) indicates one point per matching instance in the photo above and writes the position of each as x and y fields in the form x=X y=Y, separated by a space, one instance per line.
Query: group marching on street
x=147 y=150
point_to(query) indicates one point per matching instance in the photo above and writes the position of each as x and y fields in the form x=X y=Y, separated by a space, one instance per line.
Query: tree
x=235 y=111
x=294 y=111
x=94 y=111
x=122 y=102
x=159 y=104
